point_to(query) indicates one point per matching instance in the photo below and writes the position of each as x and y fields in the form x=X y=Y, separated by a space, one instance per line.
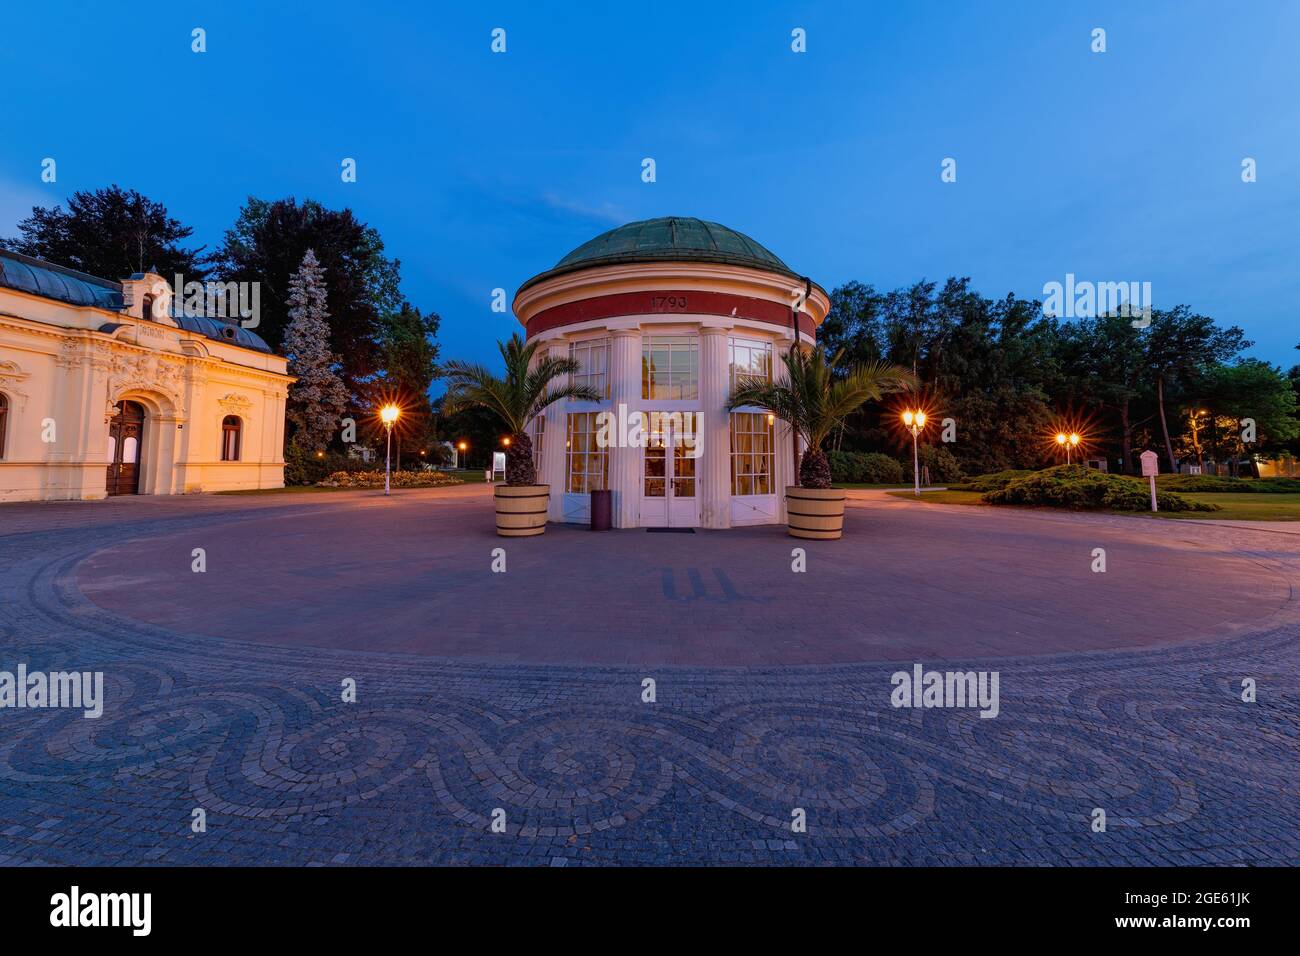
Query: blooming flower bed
x=400 y=479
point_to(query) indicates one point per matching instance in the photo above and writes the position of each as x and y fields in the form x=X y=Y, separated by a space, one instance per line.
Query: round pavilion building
x=663 y=317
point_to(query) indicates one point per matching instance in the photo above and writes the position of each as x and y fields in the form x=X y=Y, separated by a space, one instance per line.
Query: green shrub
x=995 y=481
x=854 y=467
x=303 y=467
x=1216 y=484
x=944 y=466
x=1082 y=489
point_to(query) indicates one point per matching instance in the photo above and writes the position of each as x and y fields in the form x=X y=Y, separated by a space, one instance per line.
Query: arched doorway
x=125 y=437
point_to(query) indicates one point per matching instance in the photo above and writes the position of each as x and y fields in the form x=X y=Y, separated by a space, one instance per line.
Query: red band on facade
x=667 y=303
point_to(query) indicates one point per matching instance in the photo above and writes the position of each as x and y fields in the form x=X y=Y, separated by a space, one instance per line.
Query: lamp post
x=1068 y=442
x=388 y=414
x=915 y=421
x=461 y=448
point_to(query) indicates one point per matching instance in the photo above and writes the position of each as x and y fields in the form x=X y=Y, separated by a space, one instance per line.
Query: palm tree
x=815 y=399
x=517 y=399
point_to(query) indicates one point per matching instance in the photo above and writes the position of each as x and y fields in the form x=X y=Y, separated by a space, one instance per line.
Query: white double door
x=669 y=477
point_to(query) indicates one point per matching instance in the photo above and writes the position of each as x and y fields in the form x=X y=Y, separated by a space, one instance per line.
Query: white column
x=714 y=464
x=625 y=389
x=784 y=437
x=553 y=442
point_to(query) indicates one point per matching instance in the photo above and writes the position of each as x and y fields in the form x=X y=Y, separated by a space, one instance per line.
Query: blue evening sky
x=480 y=170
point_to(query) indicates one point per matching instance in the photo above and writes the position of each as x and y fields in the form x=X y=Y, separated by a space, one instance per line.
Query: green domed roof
x=668 y=239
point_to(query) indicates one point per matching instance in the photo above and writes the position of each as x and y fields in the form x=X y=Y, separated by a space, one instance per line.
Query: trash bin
x=602 y=509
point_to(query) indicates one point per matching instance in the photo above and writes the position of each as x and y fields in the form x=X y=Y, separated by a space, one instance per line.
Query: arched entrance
x=125 y=438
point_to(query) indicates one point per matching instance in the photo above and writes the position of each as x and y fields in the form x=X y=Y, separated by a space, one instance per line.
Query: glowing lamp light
x=771 y=419
x=506 y=441
x=1060 y=438
x=1074 y=438
x=389 y=414
x=463 y=446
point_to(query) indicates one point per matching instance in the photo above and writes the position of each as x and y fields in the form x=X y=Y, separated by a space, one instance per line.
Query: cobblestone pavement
x=256 y=734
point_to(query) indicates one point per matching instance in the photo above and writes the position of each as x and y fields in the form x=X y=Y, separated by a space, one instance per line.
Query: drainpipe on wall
x=794 y=325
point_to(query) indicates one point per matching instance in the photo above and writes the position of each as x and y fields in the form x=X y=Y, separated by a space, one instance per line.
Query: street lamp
x=1067 y=442
x=915 y=421
x=461 y=447
x=388 y=414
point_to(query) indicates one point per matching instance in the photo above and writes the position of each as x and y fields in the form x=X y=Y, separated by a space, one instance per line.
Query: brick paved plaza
x=478 y=691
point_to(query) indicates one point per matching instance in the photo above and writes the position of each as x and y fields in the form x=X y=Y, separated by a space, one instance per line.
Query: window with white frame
x=670 y=368
x=592 y=356
x=749 y=359
x=587 y=465
x=538 y=436
x=751 y=453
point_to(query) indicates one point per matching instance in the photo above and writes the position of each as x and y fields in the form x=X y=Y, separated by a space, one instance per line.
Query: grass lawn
x=1238 y=507
x=944 y=497
x=851 y=484
x=1234 y=507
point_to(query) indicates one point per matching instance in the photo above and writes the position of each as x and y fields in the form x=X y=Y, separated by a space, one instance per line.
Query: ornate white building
x=663 y=316
x=106 y=389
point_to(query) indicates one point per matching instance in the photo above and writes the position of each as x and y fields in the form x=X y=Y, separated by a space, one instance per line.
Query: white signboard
x=498 y=464
x=1151 y=468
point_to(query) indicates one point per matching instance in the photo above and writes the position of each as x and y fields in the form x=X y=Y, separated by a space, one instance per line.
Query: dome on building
x=668 y=239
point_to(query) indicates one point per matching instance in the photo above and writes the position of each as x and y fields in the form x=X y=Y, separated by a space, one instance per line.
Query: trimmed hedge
x=943 y=464
x=1216 y=484
x=1083 y=489
x=867 y=468
x=994 y=481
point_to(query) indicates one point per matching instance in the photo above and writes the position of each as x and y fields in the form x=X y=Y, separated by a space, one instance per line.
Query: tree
x=409 y=354
x=1110 y=367
x=268 y=242
x=528 y=388
x=814 y=399
x=1250 y=389
x=110 y=233
x=852 y=326
x=409 y=358
x=1180 y=347
x=318 y=398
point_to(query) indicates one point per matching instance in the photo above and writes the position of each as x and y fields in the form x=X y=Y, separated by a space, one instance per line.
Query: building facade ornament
x=140 y=401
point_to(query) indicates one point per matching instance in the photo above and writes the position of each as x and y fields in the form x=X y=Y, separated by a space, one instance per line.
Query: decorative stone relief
x=11 y=379
x=234 y=402
x=150 y=373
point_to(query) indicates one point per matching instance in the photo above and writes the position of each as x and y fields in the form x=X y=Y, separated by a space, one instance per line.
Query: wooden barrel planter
x=521 y=509
x=814 y=512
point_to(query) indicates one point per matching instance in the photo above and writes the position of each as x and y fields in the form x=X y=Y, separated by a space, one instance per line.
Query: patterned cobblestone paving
x=287 y=773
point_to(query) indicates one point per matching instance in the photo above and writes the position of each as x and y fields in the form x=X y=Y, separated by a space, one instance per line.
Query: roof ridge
x=63 y=270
